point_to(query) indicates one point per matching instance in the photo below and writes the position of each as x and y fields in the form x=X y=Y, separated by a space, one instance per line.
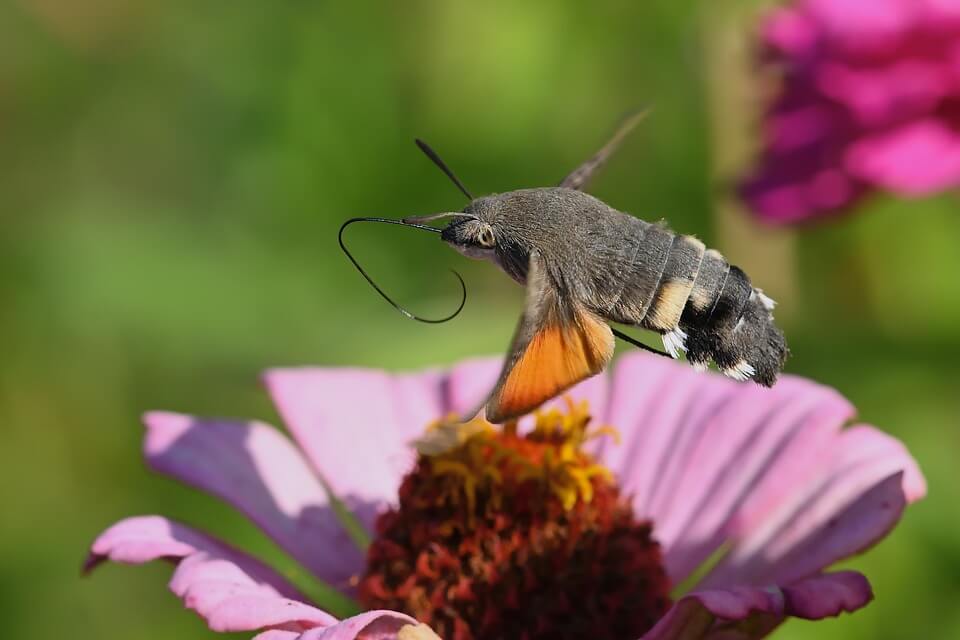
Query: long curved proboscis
x=463 y=287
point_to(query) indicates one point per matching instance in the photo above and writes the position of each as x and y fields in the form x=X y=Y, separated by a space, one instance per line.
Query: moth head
x=493 y=228
x=471 y=235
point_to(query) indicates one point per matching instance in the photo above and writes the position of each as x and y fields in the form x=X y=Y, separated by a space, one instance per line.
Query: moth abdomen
x=706 y=289
x=675 y=284
x=703 y=305
x=737 y=331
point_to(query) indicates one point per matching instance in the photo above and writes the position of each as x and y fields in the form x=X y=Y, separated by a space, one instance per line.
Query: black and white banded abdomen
x=700 y=304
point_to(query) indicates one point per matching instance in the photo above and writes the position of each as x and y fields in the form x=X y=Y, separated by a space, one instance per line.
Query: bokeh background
x=172 y=177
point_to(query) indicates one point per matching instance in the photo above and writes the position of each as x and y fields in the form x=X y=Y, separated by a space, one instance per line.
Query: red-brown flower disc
x=508 y=536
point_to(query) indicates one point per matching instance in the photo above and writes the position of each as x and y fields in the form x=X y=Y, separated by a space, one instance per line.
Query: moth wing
x=557 y=344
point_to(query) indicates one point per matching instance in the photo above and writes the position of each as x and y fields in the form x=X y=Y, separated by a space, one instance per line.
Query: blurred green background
x=172 y=176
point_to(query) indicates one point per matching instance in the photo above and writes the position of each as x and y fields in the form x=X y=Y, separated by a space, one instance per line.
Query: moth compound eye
x=485 y=238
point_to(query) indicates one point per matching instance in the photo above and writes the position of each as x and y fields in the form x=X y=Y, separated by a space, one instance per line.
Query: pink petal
x=796 y=127
x=638 y=382
x=864 y=27
x=750 y=612
x=230 y=600
x=713 y=462
x=827 y=595
x=231 y=590
x=758 y=443
x=914 y=160
x=800 y=198
x=256 y=469
x=941 y=14
x=371 y=625
x=838 y=508
x=883 y=94
x=142 y=539
x=671 y=468
x=145 y=538
x=790 y=32
x=355 y=424
x=694 y=445
x=801 y=173
x=470 y=383
x=658 y=406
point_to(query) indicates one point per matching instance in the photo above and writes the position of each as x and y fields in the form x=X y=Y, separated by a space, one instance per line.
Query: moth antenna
x=639 y=344
x=580 y=176
x=430 y=153
x=436 y=216
x=404 y=223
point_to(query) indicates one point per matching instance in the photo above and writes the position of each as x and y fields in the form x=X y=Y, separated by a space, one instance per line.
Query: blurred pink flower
x=772 y=480
x=870 y=100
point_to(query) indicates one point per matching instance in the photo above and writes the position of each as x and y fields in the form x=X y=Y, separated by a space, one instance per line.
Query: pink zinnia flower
x=769 y=487
x=870 y=100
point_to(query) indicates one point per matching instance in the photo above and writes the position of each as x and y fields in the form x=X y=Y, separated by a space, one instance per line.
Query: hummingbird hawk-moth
x=585 y=264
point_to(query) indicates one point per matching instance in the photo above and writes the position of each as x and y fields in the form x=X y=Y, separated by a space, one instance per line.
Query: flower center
x=502 y=535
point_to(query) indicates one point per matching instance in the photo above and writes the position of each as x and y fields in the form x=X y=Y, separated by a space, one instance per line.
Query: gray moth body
x=629 y=271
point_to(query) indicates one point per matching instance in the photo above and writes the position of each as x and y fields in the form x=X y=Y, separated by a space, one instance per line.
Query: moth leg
x=629 y=340
x=580 y=176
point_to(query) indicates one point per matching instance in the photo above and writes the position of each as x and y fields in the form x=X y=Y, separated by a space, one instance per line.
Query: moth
x=584 y=265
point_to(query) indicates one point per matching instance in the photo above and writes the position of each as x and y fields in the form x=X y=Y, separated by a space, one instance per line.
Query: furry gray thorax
x=589 y=248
